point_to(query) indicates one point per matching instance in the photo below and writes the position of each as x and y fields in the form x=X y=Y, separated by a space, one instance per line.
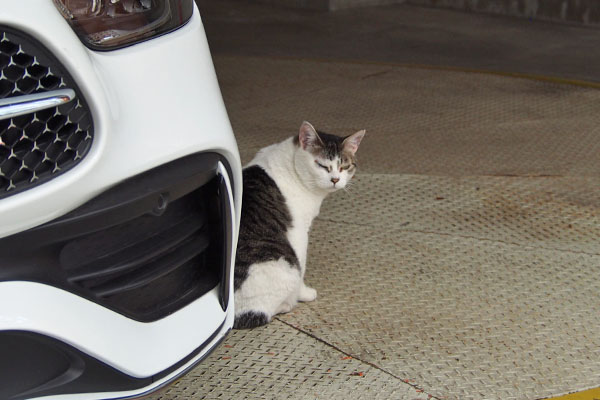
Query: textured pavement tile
x=464 y=259
x=279 y=362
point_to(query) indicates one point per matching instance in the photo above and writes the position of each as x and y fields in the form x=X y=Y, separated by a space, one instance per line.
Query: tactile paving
x=463 y=261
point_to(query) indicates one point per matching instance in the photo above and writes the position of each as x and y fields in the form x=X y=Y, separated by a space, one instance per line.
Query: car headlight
x=112 y=24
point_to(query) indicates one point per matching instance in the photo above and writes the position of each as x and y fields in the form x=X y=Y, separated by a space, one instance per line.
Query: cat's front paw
x=307 y=294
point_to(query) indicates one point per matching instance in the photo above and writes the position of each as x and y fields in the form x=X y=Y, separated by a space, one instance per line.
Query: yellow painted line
x=542 y=78
x=519 y=75
x=592 y=394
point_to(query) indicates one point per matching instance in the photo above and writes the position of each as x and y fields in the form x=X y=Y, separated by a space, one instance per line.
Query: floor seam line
x=400 y=228
x=371 y=364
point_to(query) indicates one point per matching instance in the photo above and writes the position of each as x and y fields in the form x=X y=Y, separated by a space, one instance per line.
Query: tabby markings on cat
x=283 y=188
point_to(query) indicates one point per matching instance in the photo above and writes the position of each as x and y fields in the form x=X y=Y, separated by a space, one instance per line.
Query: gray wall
x=578 y=11
x=585 y=12
x=330 y=5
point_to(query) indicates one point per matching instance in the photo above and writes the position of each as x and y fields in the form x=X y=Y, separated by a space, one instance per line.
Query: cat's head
x=323 y=161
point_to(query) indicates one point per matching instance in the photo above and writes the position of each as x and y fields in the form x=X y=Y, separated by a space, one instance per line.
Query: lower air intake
x=145 y=248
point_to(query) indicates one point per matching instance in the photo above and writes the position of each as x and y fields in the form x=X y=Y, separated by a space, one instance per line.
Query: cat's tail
x=250 y=319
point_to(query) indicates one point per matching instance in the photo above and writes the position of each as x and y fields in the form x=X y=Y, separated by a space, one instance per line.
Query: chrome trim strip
x=227 y=280
x=14 y=106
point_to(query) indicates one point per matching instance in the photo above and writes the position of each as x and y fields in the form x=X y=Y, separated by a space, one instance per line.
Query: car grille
x=38 y=146
x=145 y=248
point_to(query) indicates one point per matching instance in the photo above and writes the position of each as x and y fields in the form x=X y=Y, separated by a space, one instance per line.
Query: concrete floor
x=404 y=34
x=464 y=261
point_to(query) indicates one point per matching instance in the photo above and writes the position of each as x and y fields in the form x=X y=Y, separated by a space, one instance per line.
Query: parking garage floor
x=463 y=262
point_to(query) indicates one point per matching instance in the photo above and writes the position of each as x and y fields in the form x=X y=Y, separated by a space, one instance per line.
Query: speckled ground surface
x=462 y=263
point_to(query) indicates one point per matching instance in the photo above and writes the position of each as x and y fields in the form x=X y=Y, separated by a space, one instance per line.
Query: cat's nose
x=335 y=180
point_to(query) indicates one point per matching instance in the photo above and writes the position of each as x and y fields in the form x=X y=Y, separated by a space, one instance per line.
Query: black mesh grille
x=39 y=146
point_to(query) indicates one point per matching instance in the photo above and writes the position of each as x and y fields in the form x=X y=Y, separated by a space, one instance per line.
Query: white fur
x=272 y=287
x=275 y=286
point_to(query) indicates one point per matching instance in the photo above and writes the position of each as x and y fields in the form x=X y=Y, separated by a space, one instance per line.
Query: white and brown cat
x=284 y=186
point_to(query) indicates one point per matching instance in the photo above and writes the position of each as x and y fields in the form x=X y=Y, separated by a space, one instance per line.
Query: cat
x=283 y=188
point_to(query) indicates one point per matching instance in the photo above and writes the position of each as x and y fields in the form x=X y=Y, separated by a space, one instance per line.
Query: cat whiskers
x=348 y=187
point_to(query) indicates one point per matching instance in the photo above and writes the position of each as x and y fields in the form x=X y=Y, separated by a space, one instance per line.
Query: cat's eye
x=347 y=166
x=328 y=169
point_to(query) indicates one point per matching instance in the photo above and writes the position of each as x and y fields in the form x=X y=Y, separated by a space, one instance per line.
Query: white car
x=120 y=191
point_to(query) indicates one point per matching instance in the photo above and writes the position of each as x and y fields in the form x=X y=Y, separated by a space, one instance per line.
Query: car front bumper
x=151 y=107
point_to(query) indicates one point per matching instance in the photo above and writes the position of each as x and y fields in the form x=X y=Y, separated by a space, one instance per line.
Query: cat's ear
x=308 y=136
x=351 y=142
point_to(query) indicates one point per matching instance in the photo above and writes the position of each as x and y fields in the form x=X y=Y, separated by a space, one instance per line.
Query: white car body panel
x=134 y=132
x=125 y=344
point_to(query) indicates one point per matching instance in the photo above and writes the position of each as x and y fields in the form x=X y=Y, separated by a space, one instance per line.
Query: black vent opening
x=151 y=265
x=61 y=369
x=145 y=248
x=39 y=146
